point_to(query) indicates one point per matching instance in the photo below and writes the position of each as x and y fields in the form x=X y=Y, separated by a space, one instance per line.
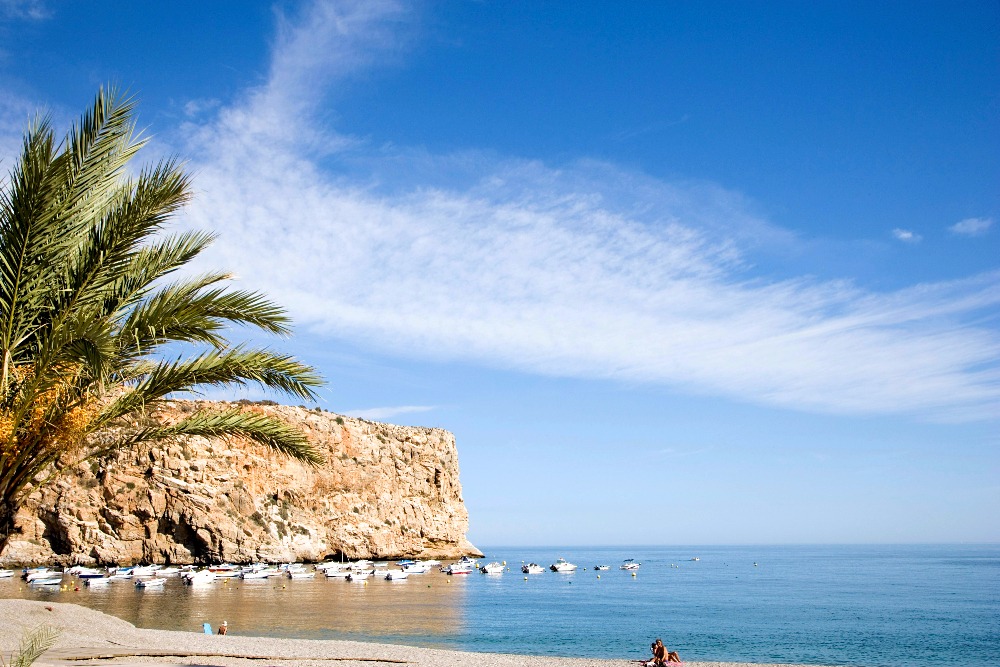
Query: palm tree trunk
x=8 y=511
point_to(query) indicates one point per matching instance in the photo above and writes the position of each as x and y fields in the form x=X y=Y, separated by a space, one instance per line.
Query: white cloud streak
x=906 y=236
x=579 y=270
x=972 y=227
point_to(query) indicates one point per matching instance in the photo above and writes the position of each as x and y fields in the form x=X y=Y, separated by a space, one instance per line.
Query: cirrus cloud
x=581 y=269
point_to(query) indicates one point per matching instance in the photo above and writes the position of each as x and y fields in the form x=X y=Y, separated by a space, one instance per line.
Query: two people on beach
x=661 y=656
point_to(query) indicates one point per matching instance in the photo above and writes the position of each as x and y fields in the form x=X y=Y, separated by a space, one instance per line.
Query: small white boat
x=334 y=573
x=492 y=568
x=6 y=574
x=224 y=570
x=416 y=568
x=300 y=574
x=145 y=571
x=431 y=562
x=464 y=565
x=532 y=568
x=47 y=581
x=41 y=573
x=562 y=565
x=154 y=582
x=358 y=575
x=629 y=564
x=602 y=568
x=396 y=575
x=168 y=571
x=257 y=574
x=86 y=572
x=97 y=581
x=199 y=577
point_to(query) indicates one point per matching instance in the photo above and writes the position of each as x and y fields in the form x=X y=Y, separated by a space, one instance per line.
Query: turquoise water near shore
x=891 y=606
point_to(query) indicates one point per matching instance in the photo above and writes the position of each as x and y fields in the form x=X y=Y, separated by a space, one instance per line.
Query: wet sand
x=88 y=637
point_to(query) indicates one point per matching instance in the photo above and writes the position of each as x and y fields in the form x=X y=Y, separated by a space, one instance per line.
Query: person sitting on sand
x=224 y=628
x=661 y=656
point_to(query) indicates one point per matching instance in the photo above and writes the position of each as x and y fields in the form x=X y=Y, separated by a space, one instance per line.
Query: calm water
x=897 y=606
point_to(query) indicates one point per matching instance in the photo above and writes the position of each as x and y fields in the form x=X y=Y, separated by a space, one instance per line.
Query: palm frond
x=33 y=645
x=237 y=366
x=272 y=432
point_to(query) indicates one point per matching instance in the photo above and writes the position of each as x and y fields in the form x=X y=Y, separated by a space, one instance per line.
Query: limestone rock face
x=384 y=491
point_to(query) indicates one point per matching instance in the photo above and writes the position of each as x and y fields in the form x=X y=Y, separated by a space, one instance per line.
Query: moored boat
x=629 y=564
x=153 y=582
x=602 y=568
x=532 y=568
x=562 y=565
x=199 y=577
x=492 y=568
x=416 y=568
x=396 y=575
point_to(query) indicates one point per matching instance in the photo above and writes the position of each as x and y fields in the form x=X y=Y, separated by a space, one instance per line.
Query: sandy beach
x=88 y=637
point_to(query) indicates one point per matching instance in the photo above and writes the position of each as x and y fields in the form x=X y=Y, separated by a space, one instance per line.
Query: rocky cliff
x=384 y=491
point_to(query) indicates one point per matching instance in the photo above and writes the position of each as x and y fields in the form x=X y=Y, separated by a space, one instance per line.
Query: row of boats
x=153 y=576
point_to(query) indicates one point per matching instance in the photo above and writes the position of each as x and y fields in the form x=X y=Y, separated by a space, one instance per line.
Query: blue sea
x=891 y=606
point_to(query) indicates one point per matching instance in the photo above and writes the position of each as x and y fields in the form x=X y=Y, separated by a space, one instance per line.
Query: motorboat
x=97 y=581
x=51 y=580
x=431 y=562
x=602 y=568
x=199 y=577
x=492 y=568
x=168 y=571
x=145 y=571
x=629 y=564
x=463 y=565
x=300 y=574
x=337 y=573
x=153 y=582
x=562 y=565
x=258 y=574
x=404 y=562
x=358 y=575
x=416 y=568
x=6 y=574
x=86 y=572
x=396 y=575
x=532 y=568
x=224 y=570
x=41 y=573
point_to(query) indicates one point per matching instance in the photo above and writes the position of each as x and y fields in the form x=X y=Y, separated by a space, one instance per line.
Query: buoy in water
x=633 y=574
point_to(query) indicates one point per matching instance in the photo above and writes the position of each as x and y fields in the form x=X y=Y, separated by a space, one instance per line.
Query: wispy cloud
x=381 y=414
x=34 y=10
x=906 y=236
x=972 y=226
x=581 y=269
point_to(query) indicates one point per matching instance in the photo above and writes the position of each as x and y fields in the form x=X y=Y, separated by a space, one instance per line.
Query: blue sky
x=673 y=273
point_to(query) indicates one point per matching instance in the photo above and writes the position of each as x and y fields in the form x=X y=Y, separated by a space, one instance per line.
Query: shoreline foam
x=89 y=637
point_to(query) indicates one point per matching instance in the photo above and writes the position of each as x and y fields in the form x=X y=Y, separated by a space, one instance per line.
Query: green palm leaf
x=87 y=313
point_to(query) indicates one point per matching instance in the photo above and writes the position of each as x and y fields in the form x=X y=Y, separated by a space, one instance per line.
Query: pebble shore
x=88 y=637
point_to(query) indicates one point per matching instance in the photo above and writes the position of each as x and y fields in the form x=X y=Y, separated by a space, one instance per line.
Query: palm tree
x=93 y=335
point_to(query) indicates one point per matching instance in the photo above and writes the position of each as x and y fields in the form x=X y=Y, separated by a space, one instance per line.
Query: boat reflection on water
x=425 y=606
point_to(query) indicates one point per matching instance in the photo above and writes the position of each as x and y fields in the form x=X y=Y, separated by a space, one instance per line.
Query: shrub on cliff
x=89 y=326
